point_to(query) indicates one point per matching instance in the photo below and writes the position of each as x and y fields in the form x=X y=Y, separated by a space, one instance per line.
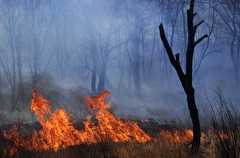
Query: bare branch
x=174 y=62
x=177 y=57
x=196 y=26
x=199 y=23
x=166 y=44
x=200 y=39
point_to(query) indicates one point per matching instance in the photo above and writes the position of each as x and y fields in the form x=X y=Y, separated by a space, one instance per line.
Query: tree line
x=106 y=44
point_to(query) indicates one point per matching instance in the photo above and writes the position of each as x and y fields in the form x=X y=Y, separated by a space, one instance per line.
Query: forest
x=61 y=60
x=69 y=48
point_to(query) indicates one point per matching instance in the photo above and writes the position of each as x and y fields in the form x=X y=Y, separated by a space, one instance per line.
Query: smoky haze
x=70 y=49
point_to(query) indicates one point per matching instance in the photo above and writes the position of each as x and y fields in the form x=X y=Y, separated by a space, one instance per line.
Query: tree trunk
x=186 y=79
x=94 y=68
x=135 y=53
x=101 y=83
x=195 y=121
x=135 y=63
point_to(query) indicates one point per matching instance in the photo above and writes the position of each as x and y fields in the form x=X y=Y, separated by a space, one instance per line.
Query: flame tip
x=58 y=130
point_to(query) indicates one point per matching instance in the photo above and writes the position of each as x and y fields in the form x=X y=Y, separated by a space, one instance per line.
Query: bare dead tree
x=186 y=78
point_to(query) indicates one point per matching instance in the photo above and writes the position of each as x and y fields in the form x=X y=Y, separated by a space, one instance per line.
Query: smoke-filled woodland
x=69 y=48
x=61 y=59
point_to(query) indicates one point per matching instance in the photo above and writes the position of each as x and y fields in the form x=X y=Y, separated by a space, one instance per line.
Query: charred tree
x=186 y=78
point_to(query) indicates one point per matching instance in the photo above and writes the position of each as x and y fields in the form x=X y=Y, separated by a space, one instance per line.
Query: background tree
x=39 y=26
x=61 y=36
x=137 y=21
x=13 y=24
x=228 y=12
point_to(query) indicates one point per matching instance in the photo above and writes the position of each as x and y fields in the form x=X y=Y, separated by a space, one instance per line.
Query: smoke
x=64 y=44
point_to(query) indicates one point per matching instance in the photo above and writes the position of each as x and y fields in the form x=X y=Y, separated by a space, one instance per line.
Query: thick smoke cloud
x=70 y=49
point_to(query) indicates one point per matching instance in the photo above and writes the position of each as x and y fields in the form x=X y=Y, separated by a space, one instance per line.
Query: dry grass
x=158 y=148
x=225 y=121
x=155 y=149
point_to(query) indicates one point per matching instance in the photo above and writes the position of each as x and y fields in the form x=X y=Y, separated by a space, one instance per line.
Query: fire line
x=58 y=130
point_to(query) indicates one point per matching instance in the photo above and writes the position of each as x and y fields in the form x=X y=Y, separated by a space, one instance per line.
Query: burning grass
x=56 y=135
x=161 y=147
x=58 y=130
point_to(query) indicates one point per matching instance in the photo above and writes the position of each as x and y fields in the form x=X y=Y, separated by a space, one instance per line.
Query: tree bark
x=186 y=78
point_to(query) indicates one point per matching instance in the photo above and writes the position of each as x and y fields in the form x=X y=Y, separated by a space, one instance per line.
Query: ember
x=58 y=131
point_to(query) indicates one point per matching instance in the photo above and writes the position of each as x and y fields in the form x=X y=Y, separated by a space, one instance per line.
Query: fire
x=58 y=131
x=224 y=135
x=177 y=136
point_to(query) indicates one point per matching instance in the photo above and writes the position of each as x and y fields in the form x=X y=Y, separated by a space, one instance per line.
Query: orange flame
x=177 y=136
x=58 y=131
x=224 y=135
